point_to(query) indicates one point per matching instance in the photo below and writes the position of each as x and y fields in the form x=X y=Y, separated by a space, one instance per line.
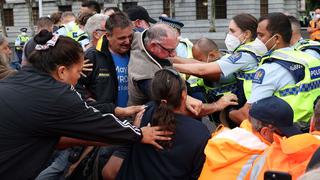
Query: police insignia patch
x=258 y=76
x=235 y=57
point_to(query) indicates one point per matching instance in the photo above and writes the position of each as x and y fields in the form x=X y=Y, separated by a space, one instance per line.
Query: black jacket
x=101 y=83
x=36 y=110
x=184 y=160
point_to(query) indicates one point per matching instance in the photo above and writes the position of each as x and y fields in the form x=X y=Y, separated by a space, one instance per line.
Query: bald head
x=205 y=50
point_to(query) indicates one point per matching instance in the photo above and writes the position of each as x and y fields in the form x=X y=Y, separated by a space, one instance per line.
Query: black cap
x=171 y=22
x=138 y=12
x=277 y=112
x=24 y=29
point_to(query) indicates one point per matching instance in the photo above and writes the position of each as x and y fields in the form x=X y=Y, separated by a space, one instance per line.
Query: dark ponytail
x=65 y=52
x=167 y=87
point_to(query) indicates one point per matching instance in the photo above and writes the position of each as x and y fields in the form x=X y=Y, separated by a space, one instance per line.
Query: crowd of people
x=120 y=95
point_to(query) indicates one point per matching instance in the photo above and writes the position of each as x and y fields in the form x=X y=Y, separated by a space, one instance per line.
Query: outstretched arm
x=210 y=71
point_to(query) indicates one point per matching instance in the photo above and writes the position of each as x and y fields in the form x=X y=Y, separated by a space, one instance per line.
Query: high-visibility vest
x=214 y=91
x=76 y=33
x=230 y=154
x=301 y=95
x=189 y=45
x=316 y=34
x=247 y=76
x=290 y=155
x=22 y=40
x=305 y=44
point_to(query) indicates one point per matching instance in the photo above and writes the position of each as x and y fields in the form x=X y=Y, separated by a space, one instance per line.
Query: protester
x=91 y=7
x=44 y=23
x=184 y=48
x=95 y=28
x=111 y=10
x=231 y=152
x=298 y=43
x=314 y=26
x=184 y=154
x=5 y=69
x=285 y=72
x=140 y=18
x=150 y=51
x=290 y=155
x=51 y=108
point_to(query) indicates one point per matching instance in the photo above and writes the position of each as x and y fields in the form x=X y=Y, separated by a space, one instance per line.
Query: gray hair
x=94 y=23
x=2 y=39
x=158 y=32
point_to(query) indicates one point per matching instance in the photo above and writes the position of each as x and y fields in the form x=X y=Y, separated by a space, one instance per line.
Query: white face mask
x=317 y=16
x=260 y=47
x=268 y=42
x=232 y=42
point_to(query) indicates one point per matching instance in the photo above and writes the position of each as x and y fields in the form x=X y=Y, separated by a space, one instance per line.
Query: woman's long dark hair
x=167 y=87
x=66 y=52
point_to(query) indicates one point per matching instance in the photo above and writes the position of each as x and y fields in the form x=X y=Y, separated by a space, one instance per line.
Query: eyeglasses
x=170 y=51
x=102 y=30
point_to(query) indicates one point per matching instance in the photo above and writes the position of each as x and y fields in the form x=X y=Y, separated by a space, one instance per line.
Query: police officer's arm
x=181 y=60
x=209 y=71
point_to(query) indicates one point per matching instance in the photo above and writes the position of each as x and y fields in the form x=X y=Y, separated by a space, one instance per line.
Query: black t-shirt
x=184 y=160
x=36 y=110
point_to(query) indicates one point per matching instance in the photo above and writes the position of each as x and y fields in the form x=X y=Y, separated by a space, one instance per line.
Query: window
x=221 y=9
x=35 y=14
x=65 y=8
x=126 y=5
x=8 y=17
x=263 y=7
x=202 y=9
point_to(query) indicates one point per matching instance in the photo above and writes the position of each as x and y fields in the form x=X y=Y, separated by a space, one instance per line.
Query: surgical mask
x=273 y=45
x=232 y=42
x=260 y=47
x=23 y=33
x=317 y=16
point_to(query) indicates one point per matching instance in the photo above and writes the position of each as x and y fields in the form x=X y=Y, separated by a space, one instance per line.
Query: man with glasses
x=150 y=51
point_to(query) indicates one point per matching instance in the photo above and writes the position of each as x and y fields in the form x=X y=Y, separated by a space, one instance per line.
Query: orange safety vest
x=290 y=155
x=230 y=153
x=316 y=34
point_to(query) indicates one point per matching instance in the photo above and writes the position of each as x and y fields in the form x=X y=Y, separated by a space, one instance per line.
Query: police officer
x=246 y=52
x=292 y=75
x=20 y=41
x=71 y=29
x=298 y=43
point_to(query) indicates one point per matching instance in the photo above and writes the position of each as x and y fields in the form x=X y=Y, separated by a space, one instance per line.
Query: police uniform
x=292 y=76
x=73 y=31
x=243 y=63
x=20 y=42
x=308 y=46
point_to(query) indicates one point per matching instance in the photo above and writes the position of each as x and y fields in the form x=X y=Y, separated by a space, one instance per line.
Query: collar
x=159 y=62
